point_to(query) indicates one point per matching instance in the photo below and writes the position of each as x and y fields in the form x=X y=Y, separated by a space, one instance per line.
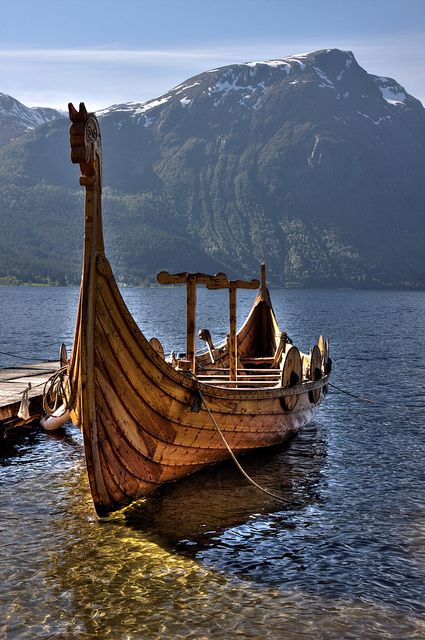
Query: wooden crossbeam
x=218 y=280
x=237 y=284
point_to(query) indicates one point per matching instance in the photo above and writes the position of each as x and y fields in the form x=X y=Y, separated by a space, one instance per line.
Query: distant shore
x=13 y=282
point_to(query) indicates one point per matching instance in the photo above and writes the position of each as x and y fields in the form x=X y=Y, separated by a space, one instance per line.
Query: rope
x=15 y=382
x=54 y=392
x=26 y=359
x=232 y=455
x=14 y=355
x=353 y=395
x=369 y=401
x=28 y=370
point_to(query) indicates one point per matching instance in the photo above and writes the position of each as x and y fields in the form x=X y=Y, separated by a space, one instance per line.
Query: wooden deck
x=14 y=381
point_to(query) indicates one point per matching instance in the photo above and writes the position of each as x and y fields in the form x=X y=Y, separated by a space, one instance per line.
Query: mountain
x=307 y=162
x=16 y=118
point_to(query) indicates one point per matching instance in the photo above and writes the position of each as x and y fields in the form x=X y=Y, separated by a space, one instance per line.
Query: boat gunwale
x=187 y=425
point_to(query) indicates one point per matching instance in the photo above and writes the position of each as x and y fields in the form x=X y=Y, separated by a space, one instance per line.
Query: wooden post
x=191 y=280
x=233 y=346
x=191 y=319
x=263 y=275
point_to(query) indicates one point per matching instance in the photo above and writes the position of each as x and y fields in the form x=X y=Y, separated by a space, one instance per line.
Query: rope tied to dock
x=54 y=392
x=229 y=449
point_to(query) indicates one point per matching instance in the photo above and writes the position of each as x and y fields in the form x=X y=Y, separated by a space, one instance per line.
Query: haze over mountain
x=307 y=162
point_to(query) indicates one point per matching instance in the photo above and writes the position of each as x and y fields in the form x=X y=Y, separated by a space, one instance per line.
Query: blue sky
x=110 y=51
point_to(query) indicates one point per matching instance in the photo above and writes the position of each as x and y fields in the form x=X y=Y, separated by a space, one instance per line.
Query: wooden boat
x=146 y=420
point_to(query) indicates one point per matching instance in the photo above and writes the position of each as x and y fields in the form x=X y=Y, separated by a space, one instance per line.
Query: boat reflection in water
x=192 y=514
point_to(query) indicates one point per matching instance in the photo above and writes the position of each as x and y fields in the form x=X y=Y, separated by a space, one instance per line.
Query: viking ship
x=148 y=420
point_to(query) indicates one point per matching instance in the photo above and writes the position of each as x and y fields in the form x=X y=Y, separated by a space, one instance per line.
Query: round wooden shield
x=63 y=356
x=156 y=344
x=315 y=372
x=292 y=374
x=325 y=353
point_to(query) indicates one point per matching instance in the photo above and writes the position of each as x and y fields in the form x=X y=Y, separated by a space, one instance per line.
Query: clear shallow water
x=209 y=557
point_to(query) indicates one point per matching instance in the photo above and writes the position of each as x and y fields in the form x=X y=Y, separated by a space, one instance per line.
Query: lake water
x=210 y=557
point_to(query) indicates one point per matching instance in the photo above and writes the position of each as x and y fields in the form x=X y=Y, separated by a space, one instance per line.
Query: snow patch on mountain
x=391 y=91
x=135 y=109
x=231 y=82
x=315 y=156
x=285 y=63
x=118 y=108
x=185 y=87
x=224 y=86
x=151 y=105
x=148 y=121
x=298 y=61
x=324 y=77
x=348 y=63
x=271 y=63
x=392 y=95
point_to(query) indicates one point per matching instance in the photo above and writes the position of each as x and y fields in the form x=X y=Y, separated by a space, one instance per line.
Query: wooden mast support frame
x=219 y=281
x=191 y=280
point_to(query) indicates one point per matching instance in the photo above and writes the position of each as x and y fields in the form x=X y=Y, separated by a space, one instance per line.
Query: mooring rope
x=14 y=355
x=374 y=401
x=236 y=461
x=229 y=449
x=353 y=395
x=15 y=382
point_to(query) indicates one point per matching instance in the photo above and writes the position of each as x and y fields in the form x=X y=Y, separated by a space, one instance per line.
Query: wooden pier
x=13 y=383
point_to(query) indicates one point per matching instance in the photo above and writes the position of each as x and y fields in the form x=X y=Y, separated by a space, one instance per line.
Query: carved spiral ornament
x=86 y=149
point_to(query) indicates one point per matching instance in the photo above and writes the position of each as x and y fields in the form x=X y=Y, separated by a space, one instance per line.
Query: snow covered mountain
x=308 y=162
x=251 y=86
x=16 y=118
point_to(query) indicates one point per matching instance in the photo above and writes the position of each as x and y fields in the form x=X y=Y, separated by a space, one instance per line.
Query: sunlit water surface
x=343 y=556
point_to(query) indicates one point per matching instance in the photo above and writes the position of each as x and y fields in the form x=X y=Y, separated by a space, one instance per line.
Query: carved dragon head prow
x=86 y=148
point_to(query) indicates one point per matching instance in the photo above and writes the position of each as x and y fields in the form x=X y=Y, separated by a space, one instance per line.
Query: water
x=209 y=557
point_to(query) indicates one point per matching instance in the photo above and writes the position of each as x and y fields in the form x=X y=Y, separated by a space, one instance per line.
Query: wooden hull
x=139 y=426
x=144 y=422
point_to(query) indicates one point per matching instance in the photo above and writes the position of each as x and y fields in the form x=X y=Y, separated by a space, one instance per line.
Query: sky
x=106 y=52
